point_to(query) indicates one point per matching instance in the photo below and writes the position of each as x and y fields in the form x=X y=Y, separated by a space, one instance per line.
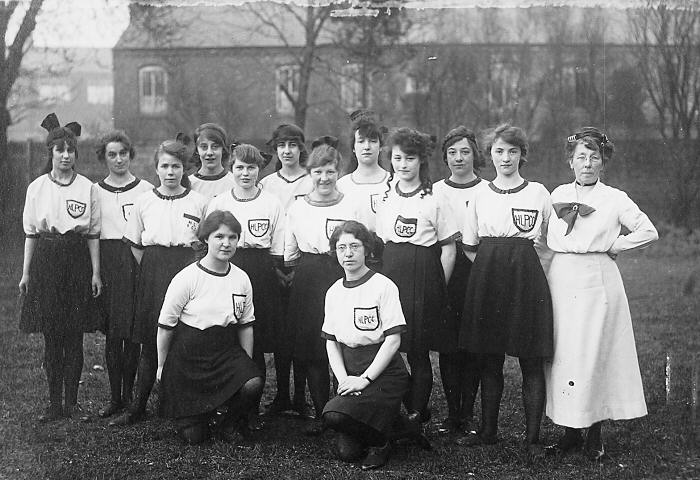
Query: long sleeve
x=543 y=251
x=642 y=231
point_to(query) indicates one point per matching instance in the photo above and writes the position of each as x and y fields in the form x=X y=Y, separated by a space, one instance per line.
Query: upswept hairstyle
x=374 y=247
x=214 y=133
x=288 y=132
x=214 y=220
x=61 y=137
x=249 y=154
x=457 y=134
x=177 y=148
x=591 y=138
x=509 y=134
x=413 y=142
x=324 y=152
x=367 y=123
x=115 y=136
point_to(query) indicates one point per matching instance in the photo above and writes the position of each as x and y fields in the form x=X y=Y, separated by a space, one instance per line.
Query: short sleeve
x=391 y=314
x=248 y=309
x=327 y=330
x=134 y=225
x=277 y=231
x=29 y=220
x=291 y=247
x=446 y=225
x=470 y=231
x=176 y=297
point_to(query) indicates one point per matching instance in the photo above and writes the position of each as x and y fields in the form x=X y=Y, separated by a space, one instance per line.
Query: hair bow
x=329 y=140
x=51 y=123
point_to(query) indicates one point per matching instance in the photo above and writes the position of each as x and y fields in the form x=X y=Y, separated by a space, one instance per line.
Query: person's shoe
x=51 y=414
x=475 y=439
x=314 y=428
x=376 y=457
x=415 y=427
x=76 y=411
x=126 y=418
x=466 y=426
x=303 y=411
x=110 y=409
x=278 y=406
x=449 y=425
x=255 y=422
x=593 y=447
x=571 y=440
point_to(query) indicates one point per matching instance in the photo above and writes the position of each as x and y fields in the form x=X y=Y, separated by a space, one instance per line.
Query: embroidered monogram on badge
x=258 y=227
x=238 y=305
x=367 y=318
x=373 y=201
x=75 y=208
x=405 y=227
x=126 y=210
x=331 y=225
x=524 y=219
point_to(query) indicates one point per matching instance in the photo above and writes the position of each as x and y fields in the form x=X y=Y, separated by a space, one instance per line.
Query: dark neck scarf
x=570 y=211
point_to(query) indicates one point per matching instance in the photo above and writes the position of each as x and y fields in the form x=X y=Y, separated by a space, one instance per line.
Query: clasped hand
x=351 y=385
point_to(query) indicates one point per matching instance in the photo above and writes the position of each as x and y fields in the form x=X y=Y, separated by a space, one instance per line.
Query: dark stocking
x=259 y=359
x=114 y=351
x=418 y=396
x=130 y=362
x=73 y=366
x=244 y=400
x=148 y=365
x=470 y=384
x=491 y=368
x=594 y=437
x=365 y=434
x=283 y=366
x=319 y=383
x=53 y=364
x=533 y=396
x=450 y=366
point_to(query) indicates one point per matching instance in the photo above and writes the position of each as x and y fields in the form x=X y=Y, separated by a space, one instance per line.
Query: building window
x=351 y=88
x=503 y=84
x=416 y=84
x=55 y=93
x=287 y=84
x=100 y=94
x=153 y=90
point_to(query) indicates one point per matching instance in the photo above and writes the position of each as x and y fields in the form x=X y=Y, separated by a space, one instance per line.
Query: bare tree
x=669 y=63
x=10 y=60
x=311 y=20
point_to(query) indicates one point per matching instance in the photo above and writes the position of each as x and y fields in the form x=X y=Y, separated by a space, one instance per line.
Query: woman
x=289 y=182
x=117 y=194
x=161 y=232
x=205 y=340
x=365 y=185
x=458 y=368
x=507 y=307
x=420 y=232
x=310 y=223
x=594 y=374
x=260 y=247
x=212 y=153
x=362 y=328
x=61 y=268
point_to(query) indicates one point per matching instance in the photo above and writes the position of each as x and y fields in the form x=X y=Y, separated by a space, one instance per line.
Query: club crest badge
x=75 y=208
x=238 y=305
x=331 y=225
x=367 y=319
x=258 y=227
x=524 y=219
x=405 y=227
x=373 y=201
x=192 y=222
x=126 y=210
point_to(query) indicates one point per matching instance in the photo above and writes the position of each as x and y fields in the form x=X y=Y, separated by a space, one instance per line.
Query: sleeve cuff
x=456 y=237
x=166 y=327
x=470 y=248
x=246 y=324
x=292 y=263
x=328 y=336
x=31 y=235
x=396 y=329
x=132 y=244
x=92 y=236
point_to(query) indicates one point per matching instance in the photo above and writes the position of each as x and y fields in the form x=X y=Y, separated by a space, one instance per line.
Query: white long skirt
x=594 y=373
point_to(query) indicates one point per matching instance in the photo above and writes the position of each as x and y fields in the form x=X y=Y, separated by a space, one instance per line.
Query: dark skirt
x=507 y=306
x=59 y=294
x=118 y=269
x=257 y=263
x=449 y=325
x=380 y=402
x=158 y=267
x=418 y=273
x=312 y=279
x=203 y=370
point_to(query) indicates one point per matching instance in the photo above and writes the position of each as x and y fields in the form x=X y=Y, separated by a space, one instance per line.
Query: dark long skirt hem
x=118 y=269
x=203 y=370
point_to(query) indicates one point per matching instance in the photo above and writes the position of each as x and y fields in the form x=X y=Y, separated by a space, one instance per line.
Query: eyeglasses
x=353 y=247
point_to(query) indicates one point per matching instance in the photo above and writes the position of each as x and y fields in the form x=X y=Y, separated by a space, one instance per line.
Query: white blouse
x=212 y=185
x=116 y=205
x=287 y=191
x=365 y=196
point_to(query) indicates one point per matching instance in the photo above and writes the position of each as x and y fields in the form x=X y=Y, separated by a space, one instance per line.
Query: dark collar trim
x=356 y=283
x=288 y=180
x=510 y=190
x=212 y=272
x=171 y=197
x=452 y=184
x=210 y=178
x=323 y=203
x=72 y=179
x=122 y=189
x=383 y=180
x=408 y=194
x=586 y=184
x=246 y=199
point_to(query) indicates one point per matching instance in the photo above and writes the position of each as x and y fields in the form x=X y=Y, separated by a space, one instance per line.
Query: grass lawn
x=665 y=302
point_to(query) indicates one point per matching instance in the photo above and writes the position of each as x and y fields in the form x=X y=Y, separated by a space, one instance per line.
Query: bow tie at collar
x=570 y=211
